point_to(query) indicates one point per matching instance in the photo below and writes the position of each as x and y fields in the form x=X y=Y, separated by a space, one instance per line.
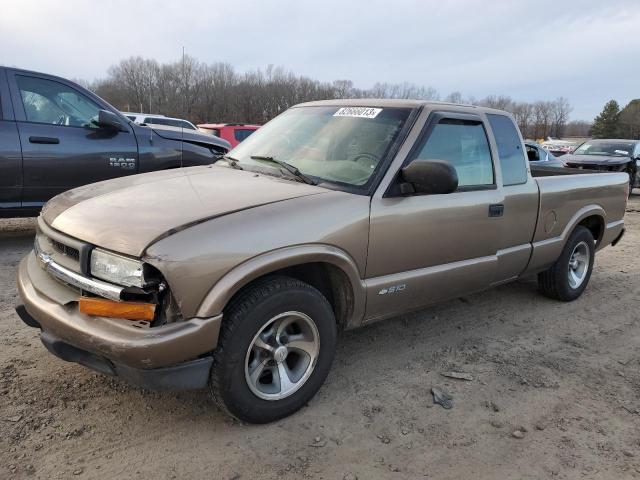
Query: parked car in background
x=56 y=135
x=365 y=209
x=608 y=156
x=539 y=156
x=234 y=133
x=154 y=119
x=558 y=147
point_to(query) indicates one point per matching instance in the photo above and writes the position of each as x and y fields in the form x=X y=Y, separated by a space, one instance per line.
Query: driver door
x=61 y=149
x=428 y=248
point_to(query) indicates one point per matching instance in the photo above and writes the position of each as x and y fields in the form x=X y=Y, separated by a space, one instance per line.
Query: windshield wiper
x=233 y=162
x=287 y=166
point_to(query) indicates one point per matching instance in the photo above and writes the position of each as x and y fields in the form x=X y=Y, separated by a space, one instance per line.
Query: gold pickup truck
x=239 y=275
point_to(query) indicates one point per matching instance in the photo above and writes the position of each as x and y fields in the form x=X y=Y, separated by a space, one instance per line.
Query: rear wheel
x=569 y=275
x=275 y=350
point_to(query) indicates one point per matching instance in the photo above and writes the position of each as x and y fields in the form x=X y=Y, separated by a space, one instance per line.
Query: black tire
x=632 y=179
x=245 y=317
x=554 y=283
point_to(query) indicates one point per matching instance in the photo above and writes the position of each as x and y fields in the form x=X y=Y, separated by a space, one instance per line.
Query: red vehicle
x=234 y=133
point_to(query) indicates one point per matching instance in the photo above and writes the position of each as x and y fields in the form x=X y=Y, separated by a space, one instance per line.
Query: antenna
x=184 y=89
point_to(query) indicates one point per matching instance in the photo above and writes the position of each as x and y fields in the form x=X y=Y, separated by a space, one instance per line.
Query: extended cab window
x=464 y=144
x=47 y=101
x=512 y=161
x=533 y=153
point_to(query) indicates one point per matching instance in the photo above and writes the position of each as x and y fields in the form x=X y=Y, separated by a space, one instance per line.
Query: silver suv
x=155 y=119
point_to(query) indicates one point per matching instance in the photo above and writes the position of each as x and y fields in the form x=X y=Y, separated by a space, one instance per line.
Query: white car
x=148 y=118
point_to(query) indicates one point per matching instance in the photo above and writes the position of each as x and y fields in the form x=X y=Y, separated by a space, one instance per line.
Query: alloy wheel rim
x=578 y=265
x=282 y=356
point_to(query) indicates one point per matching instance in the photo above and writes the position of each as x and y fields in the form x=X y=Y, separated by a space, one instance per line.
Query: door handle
x=47 y=140
x=496 y=210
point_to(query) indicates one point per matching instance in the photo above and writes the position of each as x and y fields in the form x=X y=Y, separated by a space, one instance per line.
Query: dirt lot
x=567 y=376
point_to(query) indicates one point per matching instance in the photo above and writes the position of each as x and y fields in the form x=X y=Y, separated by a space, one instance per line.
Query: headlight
x=637 y=163
x=117 y=269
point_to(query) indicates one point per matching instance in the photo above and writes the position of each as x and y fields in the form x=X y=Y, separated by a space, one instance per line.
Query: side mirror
x=109 y=121
x=431 y=176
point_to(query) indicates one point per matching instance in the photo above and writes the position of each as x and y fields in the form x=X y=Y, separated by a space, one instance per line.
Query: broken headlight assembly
x=121 y=270
x=142 y=282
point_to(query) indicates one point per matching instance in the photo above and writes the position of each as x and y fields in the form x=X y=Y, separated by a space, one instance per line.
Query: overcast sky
x=586 y=50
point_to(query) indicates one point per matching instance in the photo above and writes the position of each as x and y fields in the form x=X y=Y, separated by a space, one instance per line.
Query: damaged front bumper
x=173 y=356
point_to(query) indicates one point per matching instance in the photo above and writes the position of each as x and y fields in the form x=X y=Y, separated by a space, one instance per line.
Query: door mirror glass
x=431 y=176
x=109 y=120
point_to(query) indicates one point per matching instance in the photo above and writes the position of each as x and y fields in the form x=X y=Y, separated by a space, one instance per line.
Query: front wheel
x=569 y=275
x=275 y=350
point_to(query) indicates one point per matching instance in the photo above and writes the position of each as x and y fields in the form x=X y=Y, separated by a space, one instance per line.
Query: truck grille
x=65 y=249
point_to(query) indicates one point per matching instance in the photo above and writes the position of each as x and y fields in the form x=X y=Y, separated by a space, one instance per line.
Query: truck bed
x=569 y=197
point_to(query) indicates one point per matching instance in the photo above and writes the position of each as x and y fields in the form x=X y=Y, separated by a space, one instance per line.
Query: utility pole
x=184 y=84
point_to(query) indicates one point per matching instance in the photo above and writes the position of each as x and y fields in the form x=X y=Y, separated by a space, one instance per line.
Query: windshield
x=335 y=144
x=616 y=149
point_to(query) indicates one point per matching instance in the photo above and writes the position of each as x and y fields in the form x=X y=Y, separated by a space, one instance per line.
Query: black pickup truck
x=56 y=135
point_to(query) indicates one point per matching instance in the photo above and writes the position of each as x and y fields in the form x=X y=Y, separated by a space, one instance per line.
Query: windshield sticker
x=360 y=112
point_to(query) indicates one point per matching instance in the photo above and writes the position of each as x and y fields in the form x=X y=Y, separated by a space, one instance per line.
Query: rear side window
x=512 y=160
x=241 y=133
x=463 y=144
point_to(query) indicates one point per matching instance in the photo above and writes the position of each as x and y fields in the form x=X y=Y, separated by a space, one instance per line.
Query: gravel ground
x=555 y=394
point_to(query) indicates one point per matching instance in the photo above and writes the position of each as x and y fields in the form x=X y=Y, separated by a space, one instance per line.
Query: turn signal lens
x=101 y=307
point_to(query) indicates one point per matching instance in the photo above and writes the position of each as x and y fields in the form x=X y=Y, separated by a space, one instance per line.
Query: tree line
x=216 y=92
x=615 y=123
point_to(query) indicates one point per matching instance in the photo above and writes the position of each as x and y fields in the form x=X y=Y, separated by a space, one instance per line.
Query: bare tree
x=454 y=97
x=501 y=102
x=217 y=93
x=523 y=114
x=577 y=128
x=560 y=110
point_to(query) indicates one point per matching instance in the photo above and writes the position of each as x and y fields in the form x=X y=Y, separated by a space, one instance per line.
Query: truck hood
x=128 y=214
x=594 y=159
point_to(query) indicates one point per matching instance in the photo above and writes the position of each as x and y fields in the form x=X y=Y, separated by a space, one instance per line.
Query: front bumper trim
x=120 y=341
x=103 y=289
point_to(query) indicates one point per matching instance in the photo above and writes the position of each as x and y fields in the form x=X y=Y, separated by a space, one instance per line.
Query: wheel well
x=328 y=279
x=595 y=224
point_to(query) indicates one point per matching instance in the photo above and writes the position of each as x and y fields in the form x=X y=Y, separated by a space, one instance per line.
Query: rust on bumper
x=117 y=340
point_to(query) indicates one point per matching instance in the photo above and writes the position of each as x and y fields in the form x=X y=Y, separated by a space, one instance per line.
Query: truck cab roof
x=401 y=103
